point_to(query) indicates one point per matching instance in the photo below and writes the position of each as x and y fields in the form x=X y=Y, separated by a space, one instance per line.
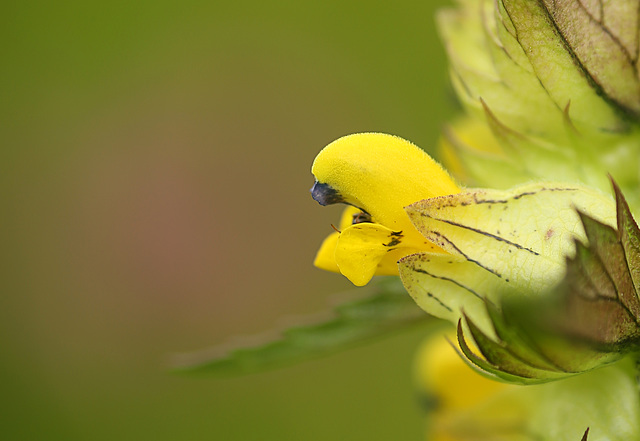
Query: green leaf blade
x=381 y=309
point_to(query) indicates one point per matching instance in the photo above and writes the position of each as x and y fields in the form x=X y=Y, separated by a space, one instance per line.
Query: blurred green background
x=155 y=178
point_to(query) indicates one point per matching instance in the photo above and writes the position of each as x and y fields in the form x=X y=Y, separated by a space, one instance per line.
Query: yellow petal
x=380 y=174
x=366 y=249
x=440 y=371
x=468 y=406
x=325 y=258
x=360 y=249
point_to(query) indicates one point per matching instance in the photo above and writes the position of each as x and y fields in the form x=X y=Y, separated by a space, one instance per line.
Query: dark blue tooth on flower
x=324 y=194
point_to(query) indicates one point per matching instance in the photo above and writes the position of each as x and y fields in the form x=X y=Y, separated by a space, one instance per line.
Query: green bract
x=557 y=84
x=589 y=319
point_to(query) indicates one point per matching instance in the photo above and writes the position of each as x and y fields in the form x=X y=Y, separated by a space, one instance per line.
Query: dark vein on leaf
x=534 y=68
x=484 y=233
x=597 y=256
x=601 y=11
x=455 y=282
x=590 y=79
x=589 y=281
x=443 y=237
x=613 y=37
x=437 y=299
x=601 y=298
x=521 y=195
x=601 y=21
x=595 y=253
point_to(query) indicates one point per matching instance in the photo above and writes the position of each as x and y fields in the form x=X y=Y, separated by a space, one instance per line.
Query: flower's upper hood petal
x=380 y=174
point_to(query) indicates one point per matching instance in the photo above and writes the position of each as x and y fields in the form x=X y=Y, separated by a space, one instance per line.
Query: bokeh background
x=155 y=175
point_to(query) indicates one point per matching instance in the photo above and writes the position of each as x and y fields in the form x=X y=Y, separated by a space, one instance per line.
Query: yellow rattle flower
x=378 y=175
x=453 y=249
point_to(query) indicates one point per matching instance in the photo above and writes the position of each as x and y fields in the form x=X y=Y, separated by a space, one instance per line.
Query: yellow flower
x=449 y=383
x=378 y=175
x=454 y=392
x=453 y=248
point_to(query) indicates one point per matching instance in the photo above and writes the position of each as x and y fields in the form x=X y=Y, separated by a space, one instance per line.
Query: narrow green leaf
x=381 y=308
